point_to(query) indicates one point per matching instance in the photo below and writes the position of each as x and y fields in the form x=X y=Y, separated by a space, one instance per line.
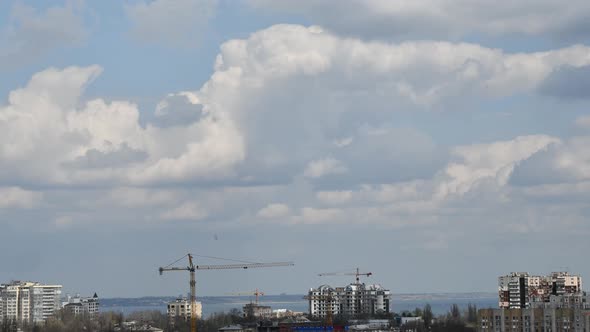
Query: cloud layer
x=429 y=149
x=452 y=19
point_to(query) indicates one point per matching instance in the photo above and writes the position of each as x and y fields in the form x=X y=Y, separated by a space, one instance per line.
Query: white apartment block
x=181 y=308
x=29 y=301
x=351 y=301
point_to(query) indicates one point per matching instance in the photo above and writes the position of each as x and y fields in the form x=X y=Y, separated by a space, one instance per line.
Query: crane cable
x=212 y=257
x=227 y=259
x=176 y=261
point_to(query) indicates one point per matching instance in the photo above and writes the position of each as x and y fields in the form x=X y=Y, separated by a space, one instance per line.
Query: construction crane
x=357 y=273
x=255 y=293
x=328 y=300
x=192 y=268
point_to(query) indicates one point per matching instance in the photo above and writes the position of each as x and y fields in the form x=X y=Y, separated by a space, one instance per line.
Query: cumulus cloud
x=172 y=22
x=450 y=19
x=488 y=163
x=310 y=215
x=323 y=167
x=334 y=197
x=141 y=197
x=565 y=162
x=415 y=73
x=186 y=211
x=273 y=211
x=479 y=177
x=15 y=197
x=250 y=122
x=31 y=33
x=178 y=109
x=48 y=137
x=119 y=157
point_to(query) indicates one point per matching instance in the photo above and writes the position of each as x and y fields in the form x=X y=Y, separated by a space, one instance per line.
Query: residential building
x=253 y=310
x=31 y=302
x=519 y=289
x=181 y=308
x=551 y=303
x=534 y=320
x=351 y=301
x=82 y=305
x=283 y=313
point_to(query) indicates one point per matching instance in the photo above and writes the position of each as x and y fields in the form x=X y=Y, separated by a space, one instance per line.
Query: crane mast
x=193 y=282
x=193 y=288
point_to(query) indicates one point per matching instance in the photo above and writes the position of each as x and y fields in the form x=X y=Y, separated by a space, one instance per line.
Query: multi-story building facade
x=552 y=303
x=253 y=310
x=519 y=289
x=181 y=308
x=351 y=301
x=29 y=301
x=78 y=305
x=534 y=320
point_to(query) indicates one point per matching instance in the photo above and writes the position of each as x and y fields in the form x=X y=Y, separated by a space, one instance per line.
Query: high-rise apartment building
x=351 y=301
x=29 y=301
x=519 y=289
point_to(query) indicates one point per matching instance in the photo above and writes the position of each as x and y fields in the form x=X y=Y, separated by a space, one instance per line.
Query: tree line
x=454 y=320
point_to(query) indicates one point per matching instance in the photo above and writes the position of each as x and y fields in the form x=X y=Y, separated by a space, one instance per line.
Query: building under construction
x=354 y=300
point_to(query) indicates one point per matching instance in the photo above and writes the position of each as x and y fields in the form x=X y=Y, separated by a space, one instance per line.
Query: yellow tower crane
x=192 y=268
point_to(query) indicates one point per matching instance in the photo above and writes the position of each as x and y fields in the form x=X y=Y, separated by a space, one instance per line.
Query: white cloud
x=186 y=211
x=141 y=197
x=323 y=167
x=568 y=161
x=32 y=33
x=419 y=73
x=46 y=137
x=343 y=142
x=273 y=211
x=173 y=22
x=63 y=221
x=492 y=163
x=310 y=215
x=15 y=197
x=443 y=19
x=334 y=197
x=252 y=122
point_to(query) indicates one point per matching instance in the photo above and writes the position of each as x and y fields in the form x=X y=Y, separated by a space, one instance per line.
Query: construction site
x=329 y=307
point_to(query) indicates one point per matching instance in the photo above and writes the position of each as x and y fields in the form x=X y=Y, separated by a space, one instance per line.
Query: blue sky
x=437 y=144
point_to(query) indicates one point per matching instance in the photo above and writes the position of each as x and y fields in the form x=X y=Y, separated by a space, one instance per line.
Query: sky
x=436 y=144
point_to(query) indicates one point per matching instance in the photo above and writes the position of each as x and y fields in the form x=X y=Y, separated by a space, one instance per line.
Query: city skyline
x=435 y=144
